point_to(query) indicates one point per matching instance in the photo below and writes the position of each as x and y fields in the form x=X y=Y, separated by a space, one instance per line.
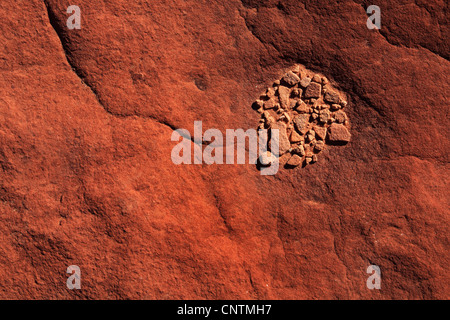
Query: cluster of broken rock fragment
x=307 y=111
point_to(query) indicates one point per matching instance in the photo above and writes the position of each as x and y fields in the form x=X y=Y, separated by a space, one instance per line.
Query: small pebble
x=316 y=78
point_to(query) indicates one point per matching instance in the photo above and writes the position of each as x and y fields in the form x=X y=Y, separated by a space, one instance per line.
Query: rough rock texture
x=338 y=133
x=86 y=176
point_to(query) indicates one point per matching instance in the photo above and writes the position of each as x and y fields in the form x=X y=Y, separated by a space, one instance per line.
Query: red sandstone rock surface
x=86 y=176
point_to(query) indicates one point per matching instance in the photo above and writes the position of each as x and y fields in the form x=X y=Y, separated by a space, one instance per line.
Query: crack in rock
x=56 y=25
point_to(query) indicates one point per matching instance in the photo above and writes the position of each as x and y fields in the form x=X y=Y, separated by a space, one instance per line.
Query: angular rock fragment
x=309 y=137
x=300 y=150
x=319 y=145
x=270 y=93
x=291 y=79
x=335 y=106
x=297 y=92
x=294 y=161
x=324 y=116
x=338 y=133
x=296 y=70
x=269 y=104
x=292 y=104
x=301 y=123
x=340 y=117
x=302 y=107
x=313 y=90
x=283 y=142
x=270 y=121
x=295 y=137
x=331 y=97
x=321 y=132
x=283 y=93
x=305 y=82
x=316 y=78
